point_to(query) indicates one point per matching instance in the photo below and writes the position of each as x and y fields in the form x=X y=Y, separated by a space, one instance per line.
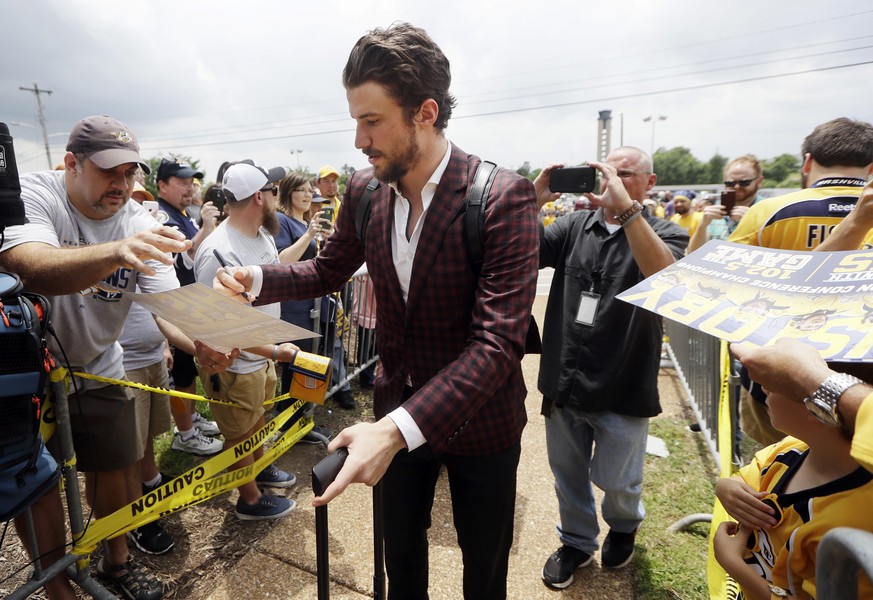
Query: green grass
x=672 y=565
x=176 y=463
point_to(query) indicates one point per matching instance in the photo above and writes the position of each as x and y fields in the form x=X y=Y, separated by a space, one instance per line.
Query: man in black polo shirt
x=599 y=367
x=175 y=193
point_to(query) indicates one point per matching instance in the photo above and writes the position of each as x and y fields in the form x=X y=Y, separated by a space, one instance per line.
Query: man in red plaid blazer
x=451 y=391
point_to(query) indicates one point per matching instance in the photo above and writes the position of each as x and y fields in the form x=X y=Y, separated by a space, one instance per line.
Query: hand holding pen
x=226 y=268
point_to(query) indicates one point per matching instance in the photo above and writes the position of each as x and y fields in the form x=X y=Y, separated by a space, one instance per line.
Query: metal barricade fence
x=842 y=555
x=696 y=358
x=347 y=322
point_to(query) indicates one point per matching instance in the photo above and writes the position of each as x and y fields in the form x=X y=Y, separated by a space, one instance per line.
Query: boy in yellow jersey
x=801 y=487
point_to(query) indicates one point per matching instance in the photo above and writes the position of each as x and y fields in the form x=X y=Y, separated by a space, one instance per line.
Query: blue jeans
x=606 y=449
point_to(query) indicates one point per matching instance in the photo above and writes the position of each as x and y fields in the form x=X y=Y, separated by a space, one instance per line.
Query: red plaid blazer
x=459 y=338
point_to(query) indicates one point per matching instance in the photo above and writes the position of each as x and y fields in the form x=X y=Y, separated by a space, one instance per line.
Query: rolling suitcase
x=323 y=474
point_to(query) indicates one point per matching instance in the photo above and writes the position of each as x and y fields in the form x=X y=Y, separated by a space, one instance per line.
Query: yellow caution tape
x=203 y=482
x=721 y=586
x=169 y=392
x=47 y=418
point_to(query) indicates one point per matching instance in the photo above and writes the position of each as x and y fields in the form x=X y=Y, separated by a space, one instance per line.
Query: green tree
x=524 y=169
x=785 y=167
x=154 y=162
x=677 y=166
x=714 y=172
x=346 y=172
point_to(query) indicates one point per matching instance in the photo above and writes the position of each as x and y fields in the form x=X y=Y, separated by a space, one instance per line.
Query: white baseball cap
x=245 y=178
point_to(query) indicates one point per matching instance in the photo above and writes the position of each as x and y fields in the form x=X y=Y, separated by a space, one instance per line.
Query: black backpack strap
x=362 y=216
x=474 y=217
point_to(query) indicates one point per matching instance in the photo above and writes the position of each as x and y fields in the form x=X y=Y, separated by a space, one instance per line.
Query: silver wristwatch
x=823 y=402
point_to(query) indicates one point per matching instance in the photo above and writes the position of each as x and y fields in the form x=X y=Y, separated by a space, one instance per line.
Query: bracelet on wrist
x=627 y=216
x=631 y=219
x=275 y=351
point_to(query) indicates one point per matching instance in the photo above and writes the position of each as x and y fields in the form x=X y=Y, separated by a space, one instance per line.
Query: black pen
x=226 y=268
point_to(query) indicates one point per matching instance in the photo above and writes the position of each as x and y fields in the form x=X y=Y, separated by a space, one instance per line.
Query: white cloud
x=197 y=77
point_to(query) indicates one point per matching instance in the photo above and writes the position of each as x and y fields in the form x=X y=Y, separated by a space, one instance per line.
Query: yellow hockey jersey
x=800 y=220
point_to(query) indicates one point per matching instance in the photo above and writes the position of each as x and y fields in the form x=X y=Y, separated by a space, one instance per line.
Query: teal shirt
x=721 y=229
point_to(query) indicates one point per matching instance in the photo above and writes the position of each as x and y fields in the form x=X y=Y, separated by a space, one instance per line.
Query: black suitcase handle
x=323 y=474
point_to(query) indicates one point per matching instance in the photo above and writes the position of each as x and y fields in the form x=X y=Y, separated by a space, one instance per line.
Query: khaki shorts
x=103 y=423
x=152 y=408
x=248 y=391
x=755 y=420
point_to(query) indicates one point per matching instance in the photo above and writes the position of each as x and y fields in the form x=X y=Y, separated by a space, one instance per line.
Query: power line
x=316 y=120
x=686 y=74
x=733 y=38
x=547 y=106
x=691 y=64
x=670 y=90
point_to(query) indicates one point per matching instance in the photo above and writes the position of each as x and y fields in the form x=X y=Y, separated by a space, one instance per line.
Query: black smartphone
x=327 y=216
x=217 y=197
x=728 y=200
x=573 y=180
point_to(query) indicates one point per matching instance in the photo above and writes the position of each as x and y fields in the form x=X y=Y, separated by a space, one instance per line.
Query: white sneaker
x=197 y=444
x=205 y=426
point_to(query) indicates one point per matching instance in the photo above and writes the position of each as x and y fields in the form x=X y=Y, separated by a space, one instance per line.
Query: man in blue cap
x=175 y=180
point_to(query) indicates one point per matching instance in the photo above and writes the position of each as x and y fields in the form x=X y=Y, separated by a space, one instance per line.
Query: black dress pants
x=483 y=505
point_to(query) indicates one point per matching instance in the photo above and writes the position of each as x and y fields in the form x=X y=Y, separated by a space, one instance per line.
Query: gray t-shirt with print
x=237 y=250
x=89 y=322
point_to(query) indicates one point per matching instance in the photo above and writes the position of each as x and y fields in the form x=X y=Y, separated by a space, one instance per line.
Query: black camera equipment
x=11 y=206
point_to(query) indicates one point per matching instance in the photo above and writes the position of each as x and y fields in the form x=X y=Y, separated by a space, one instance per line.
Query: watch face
x=777 y=591
x=822 y=412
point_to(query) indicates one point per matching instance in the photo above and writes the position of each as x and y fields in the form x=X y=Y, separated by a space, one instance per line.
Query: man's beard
x=399 y=166
x=271 y=221
x=681 y=211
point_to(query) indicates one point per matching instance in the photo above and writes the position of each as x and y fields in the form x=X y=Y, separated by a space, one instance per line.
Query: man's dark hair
x=408 y=64
x=841 y=143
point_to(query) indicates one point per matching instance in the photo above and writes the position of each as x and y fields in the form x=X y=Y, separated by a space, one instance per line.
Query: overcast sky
x=261 y=79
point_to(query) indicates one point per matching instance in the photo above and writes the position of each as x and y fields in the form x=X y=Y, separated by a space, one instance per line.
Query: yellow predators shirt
x=800 y=220
x=785 y=555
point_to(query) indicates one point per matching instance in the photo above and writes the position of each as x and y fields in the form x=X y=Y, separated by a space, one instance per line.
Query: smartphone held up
x=573 y=180
x=728 y=200
x=326 y=215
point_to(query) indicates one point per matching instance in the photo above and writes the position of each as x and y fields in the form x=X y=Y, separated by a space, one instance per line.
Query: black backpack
x=474 y=229
x=26 y=469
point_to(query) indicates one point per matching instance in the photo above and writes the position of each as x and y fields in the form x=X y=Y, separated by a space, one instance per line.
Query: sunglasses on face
x=274 y=190
x=739 y=182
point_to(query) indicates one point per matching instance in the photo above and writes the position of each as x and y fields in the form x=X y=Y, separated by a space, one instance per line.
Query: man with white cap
x=88 y=247
x=245 y=237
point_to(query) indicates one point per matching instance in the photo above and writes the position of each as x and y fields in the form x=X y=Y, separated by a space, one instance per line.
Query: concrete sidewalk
x=280 y=563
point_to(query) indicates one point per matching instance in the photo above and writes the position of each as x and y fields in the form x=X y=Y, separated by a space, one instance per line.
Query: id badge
x=588 y=302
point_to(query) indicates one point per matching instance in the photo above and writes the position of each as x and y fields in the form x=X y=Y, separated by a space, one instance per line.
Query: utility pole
x=36 y=92
x=654 y=120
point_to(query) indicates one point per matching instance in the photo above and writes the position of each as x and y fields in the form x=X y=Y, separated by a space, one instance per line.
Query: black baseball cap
x=176 y=168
